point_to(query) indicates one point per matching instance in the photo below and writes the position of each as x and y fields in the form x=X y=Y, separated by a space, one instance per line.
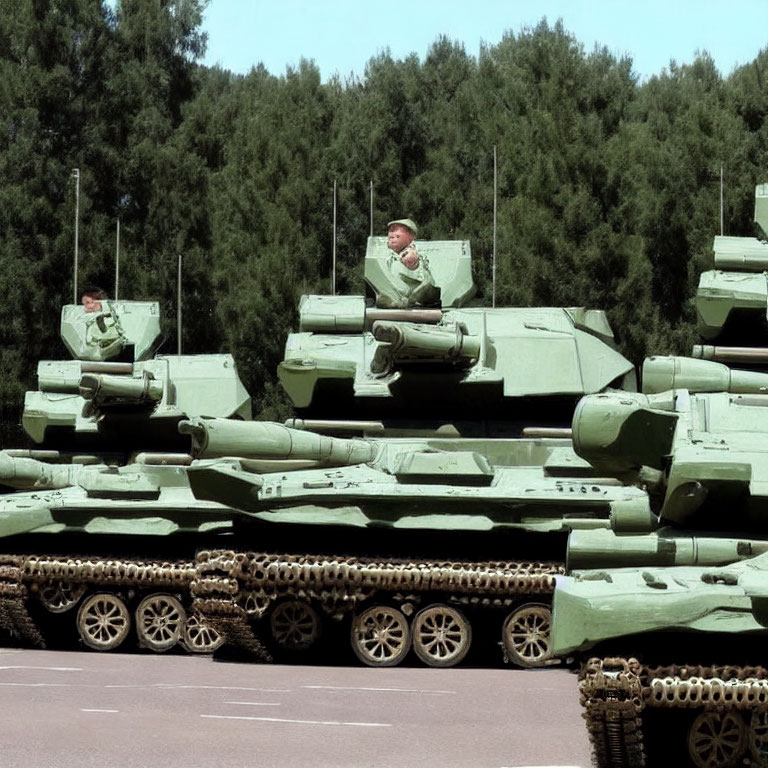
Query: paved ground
x=62 y=709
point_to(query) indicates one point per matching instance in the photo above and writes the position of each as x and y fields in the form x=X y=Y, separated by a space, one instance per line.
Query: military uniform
x=414 y=287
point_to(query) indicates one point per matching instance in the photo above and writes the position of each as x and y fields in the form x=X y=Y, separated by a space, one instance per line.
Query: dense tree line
x=608 y=187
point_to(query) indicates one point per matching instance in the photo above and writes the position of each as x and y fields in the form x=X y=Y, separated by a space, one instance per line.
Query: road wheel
x=526 y=635
x=103 y=621
x=295 y=625
x=160 y=622
x=717 y=739
x=441 y=635
x=199 y=637
x=60 y=596
x=380 y=636
x=758 y=738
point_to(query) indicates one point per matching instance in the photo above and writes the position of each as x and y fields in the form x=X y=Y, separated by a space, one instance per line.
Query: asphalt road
x=62 y=709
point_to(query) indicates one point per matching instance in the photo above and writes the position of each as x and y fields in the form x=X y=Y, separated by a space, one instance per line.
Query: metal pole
x=493 y=262
x=333 y=271
x=371 y=207
x=76 y=174
x=721 y=201
x=117 y=261
x=178 y=310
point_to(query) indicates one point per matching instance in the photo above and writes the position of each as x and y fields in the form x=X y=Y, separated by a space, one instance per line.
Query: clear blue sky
x=342 y=35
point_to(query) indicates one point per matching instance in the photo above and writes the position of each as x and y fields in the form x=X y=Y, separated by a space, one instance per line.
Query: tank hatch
x=449 y=262
x=466 y=467
x=127 y=330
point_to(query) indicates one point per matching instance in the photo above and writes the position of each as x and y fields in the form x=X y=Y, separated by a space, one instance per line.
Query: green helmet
x=409 y=223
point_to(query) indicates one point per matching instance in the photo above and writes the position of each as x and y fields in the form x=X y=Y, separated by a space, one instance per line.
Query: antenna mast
x=721 y=201
x=178 y=310
x=117 y=261
x=493 y=258
x=76 y=174
x=333 y=270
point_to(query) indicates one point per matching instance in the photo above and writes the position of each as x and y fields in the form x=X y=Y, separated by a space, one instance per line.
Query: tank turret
x=116 y=395
x=732 y=299
x=705 y=452
x=413 y=365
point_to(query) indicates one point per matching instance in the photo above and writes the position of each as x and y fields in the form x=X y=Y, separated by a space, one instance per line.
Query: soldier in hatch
x=409 y=270
x=91 y=298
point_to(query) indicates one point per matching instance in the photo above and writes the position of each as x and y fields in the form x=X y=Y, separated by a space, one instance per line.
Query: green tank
x=431 y=543
x=412 y=521
x=404 y=363
x=674 y=617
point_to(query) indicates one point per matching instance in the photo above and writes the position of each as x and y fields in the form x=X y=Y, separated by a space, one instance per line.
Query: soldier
x=400 y=237
x=91 y=298
x=412 y=282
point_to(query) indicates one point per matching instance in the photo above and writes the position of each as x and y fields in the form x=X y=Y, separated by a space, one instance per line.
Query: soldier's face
x=399 y=237
x=91 y=303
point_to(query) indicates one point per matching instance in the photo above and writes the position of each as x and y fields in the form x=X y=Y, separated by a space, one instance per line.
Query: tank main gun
x=213 y=438
x=722 y=354
x=661 y=374
x=24 y=473
x=405 y=343
x=103 y=389
x=349 y=314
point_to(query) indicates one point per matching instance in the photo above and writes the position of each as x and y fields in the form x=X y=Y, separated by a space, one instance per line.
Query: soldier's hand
x=410 y=259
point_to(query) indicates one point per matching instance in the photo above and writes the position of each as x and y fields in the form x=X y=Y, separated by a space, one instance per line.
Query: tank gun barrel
x=334 y=425
x=423 y=316
x=27 y=474
x=745 y=261
x=348 y=314
x=105 y=388
x=214 y=438
x=731 y=354
x=664 y=373
x=410 y=342
x=63 y=378
x=604 y=549
x=561 y=433
x=118 y=369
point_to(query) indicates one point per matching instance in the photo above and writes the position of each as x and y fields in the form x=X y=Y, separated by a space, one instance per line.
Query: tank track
x=14 y=616
x=117 y=572
x=615 y=692
x=22 y=575
x=214 y=592
x=235 y=588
